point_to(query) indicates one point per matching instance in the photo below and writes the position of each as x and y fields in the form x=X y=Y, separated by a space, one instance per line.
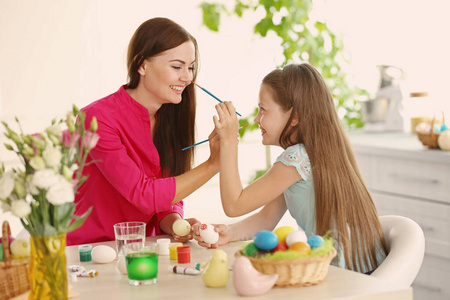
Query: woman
x=138 y=171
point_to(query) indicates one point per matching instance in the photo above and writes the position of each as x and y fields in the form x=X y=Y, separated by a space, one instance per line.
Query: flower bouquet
x=41 y=193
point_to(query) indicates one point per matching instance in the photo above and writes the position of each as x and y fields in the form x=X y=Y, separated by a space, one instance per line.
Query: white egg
x=103 y=254
x=296 y=236
x=444 y=140
x=181 y=227
x=208 y=234
x=122 y=265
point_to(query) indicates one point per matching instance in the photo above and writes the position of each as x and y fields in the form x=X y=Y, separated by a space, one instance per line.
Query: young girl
x=316 y=177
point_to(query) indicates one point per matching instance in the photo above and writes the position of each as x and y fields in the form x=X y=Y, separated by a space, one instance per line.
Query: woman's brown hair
x=342 y=200
x=175 y=123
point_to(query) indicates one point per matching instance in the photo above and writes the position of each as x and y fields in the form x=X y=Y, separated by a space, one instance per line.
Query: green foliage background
x=301 y=39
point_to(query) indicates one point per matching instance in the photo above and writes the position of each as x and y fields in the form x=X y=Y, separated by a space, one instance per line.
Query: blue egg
x=444 y=127
x=315 y=241
x=266 y=240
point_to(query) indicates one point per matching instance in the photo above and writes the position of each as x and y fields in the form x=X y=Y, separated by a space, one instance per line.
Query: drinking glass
x=129 y=233
x=142 y=265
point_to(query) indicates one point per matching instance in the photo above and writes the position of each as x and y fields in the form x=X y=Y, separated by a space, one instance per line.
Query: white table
x=110 y=284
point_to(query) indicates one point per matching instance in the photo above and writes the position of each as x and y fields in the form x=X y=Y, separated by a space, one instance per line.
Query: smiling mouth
x=177 y=88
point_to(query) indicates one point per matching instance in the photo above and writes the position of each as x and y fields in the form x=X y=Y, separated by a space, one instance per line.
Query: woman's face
x=271 y=118
x=166 y=75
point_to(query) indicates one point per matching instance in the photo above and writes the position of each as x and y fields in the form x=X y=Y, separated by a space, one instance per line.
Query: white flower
x=43 y=179
x=6 y=184
x=61 y=192
x=37 y=162
x=55 y=129
x=52 y=156
x=20 y=208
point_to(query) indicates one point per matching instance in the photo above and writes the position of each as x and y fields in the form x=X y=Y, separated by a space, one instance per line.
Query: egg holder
x=14 y=278
x=430 y=139
x=304 y=271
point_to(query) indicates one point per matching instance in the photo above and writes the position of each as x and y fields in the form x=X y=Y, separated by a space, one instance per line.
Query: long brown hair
x=341 y=197
x=175 y=123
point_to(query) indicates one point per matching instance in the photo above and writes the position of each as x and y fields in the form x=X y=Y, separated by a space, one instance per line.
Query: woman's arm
x=151 y=195
x=236 y=200
x=190 y=181
x=167 y=222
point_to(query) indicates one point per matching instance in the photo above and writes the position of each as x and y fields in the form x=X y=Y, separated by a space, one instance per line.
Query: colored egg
x=301 y=247
x=181 y=227
x=266 y=240
x=208 y=234
x=281 y=246
x=315 y=241
x=296 y=236
x=282 y=232
x=444 y=127
x=250 y=249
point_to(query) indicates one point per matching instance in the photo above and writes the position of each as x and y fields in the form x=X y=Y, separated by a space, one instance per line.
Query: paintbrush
x=199 y=143
x=209 y=93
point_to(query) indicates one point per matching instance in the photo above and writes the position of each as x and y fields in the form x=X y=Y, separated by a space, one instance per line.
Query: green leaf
x=211 y=16
x=264 y=25
x=49 y=230
x=63 y=216
x=78 y=221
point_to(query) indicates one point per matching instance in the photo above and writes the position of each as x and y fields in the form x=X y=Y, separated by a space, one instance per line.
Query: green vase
x=48 y=275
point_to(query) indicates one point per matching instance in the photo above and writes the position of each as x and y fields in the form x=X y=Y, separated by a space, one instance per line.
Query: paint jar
x=184 y=254
x=173 y=250
x=85 y=252
x=163 y=246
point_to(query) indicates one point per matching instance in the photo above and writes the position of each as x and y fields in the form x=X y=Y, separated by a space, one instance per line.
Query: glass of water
x=142 y=265
x=129 y=233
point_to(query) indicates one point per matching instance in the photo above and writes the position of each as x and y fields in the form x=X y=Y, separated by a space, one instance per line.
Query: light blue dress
x=300 y=199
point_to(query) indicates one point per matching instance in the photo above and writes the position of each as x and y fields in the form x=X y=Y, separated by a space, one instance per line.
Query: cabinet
x=405 y=178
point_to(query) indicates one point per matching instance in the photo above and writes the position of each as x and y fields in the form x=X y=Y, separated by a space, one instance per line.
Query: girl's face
x=165 y=76
x=271 y=118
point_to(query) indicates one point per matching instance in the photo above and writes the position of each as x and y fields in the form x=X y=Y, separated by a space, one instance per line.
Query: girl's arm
x=236 y=200
x=266 y=219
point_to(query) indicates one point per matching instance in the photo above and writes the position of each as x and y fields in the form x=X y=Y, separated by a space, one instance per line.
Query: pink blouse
x=124 y=181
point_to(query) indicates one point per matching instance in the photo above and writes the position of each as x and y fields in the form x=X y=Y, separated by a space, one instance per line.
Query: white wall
x=56 y=53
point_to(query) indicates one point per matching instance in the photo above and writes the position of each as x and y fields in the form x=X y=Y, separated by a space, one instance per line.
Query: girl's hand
x=193 y=222
x=227 y=123
x=214 y=147
x=224 y=235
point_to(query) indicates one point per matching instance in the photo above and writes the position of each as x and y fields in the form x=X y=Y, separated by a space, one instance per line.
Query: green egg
x=250 y=249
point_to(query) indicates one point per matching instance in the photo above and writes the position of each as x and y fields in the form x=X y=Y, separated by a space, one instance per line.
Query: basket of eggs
x=297 y=259
x=433 y=135
x=14 y=265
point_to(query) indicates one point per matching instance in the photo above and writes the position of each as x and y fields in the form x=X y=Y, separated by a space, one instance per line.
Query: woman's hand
x=226 y=124
x=182 y=239
x=224 y=235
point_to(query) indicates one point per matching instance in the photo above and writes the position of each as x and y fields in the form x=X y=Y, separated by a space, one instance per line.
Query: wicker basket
x=297 y=272
x=430 y=139
x=14 y=277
